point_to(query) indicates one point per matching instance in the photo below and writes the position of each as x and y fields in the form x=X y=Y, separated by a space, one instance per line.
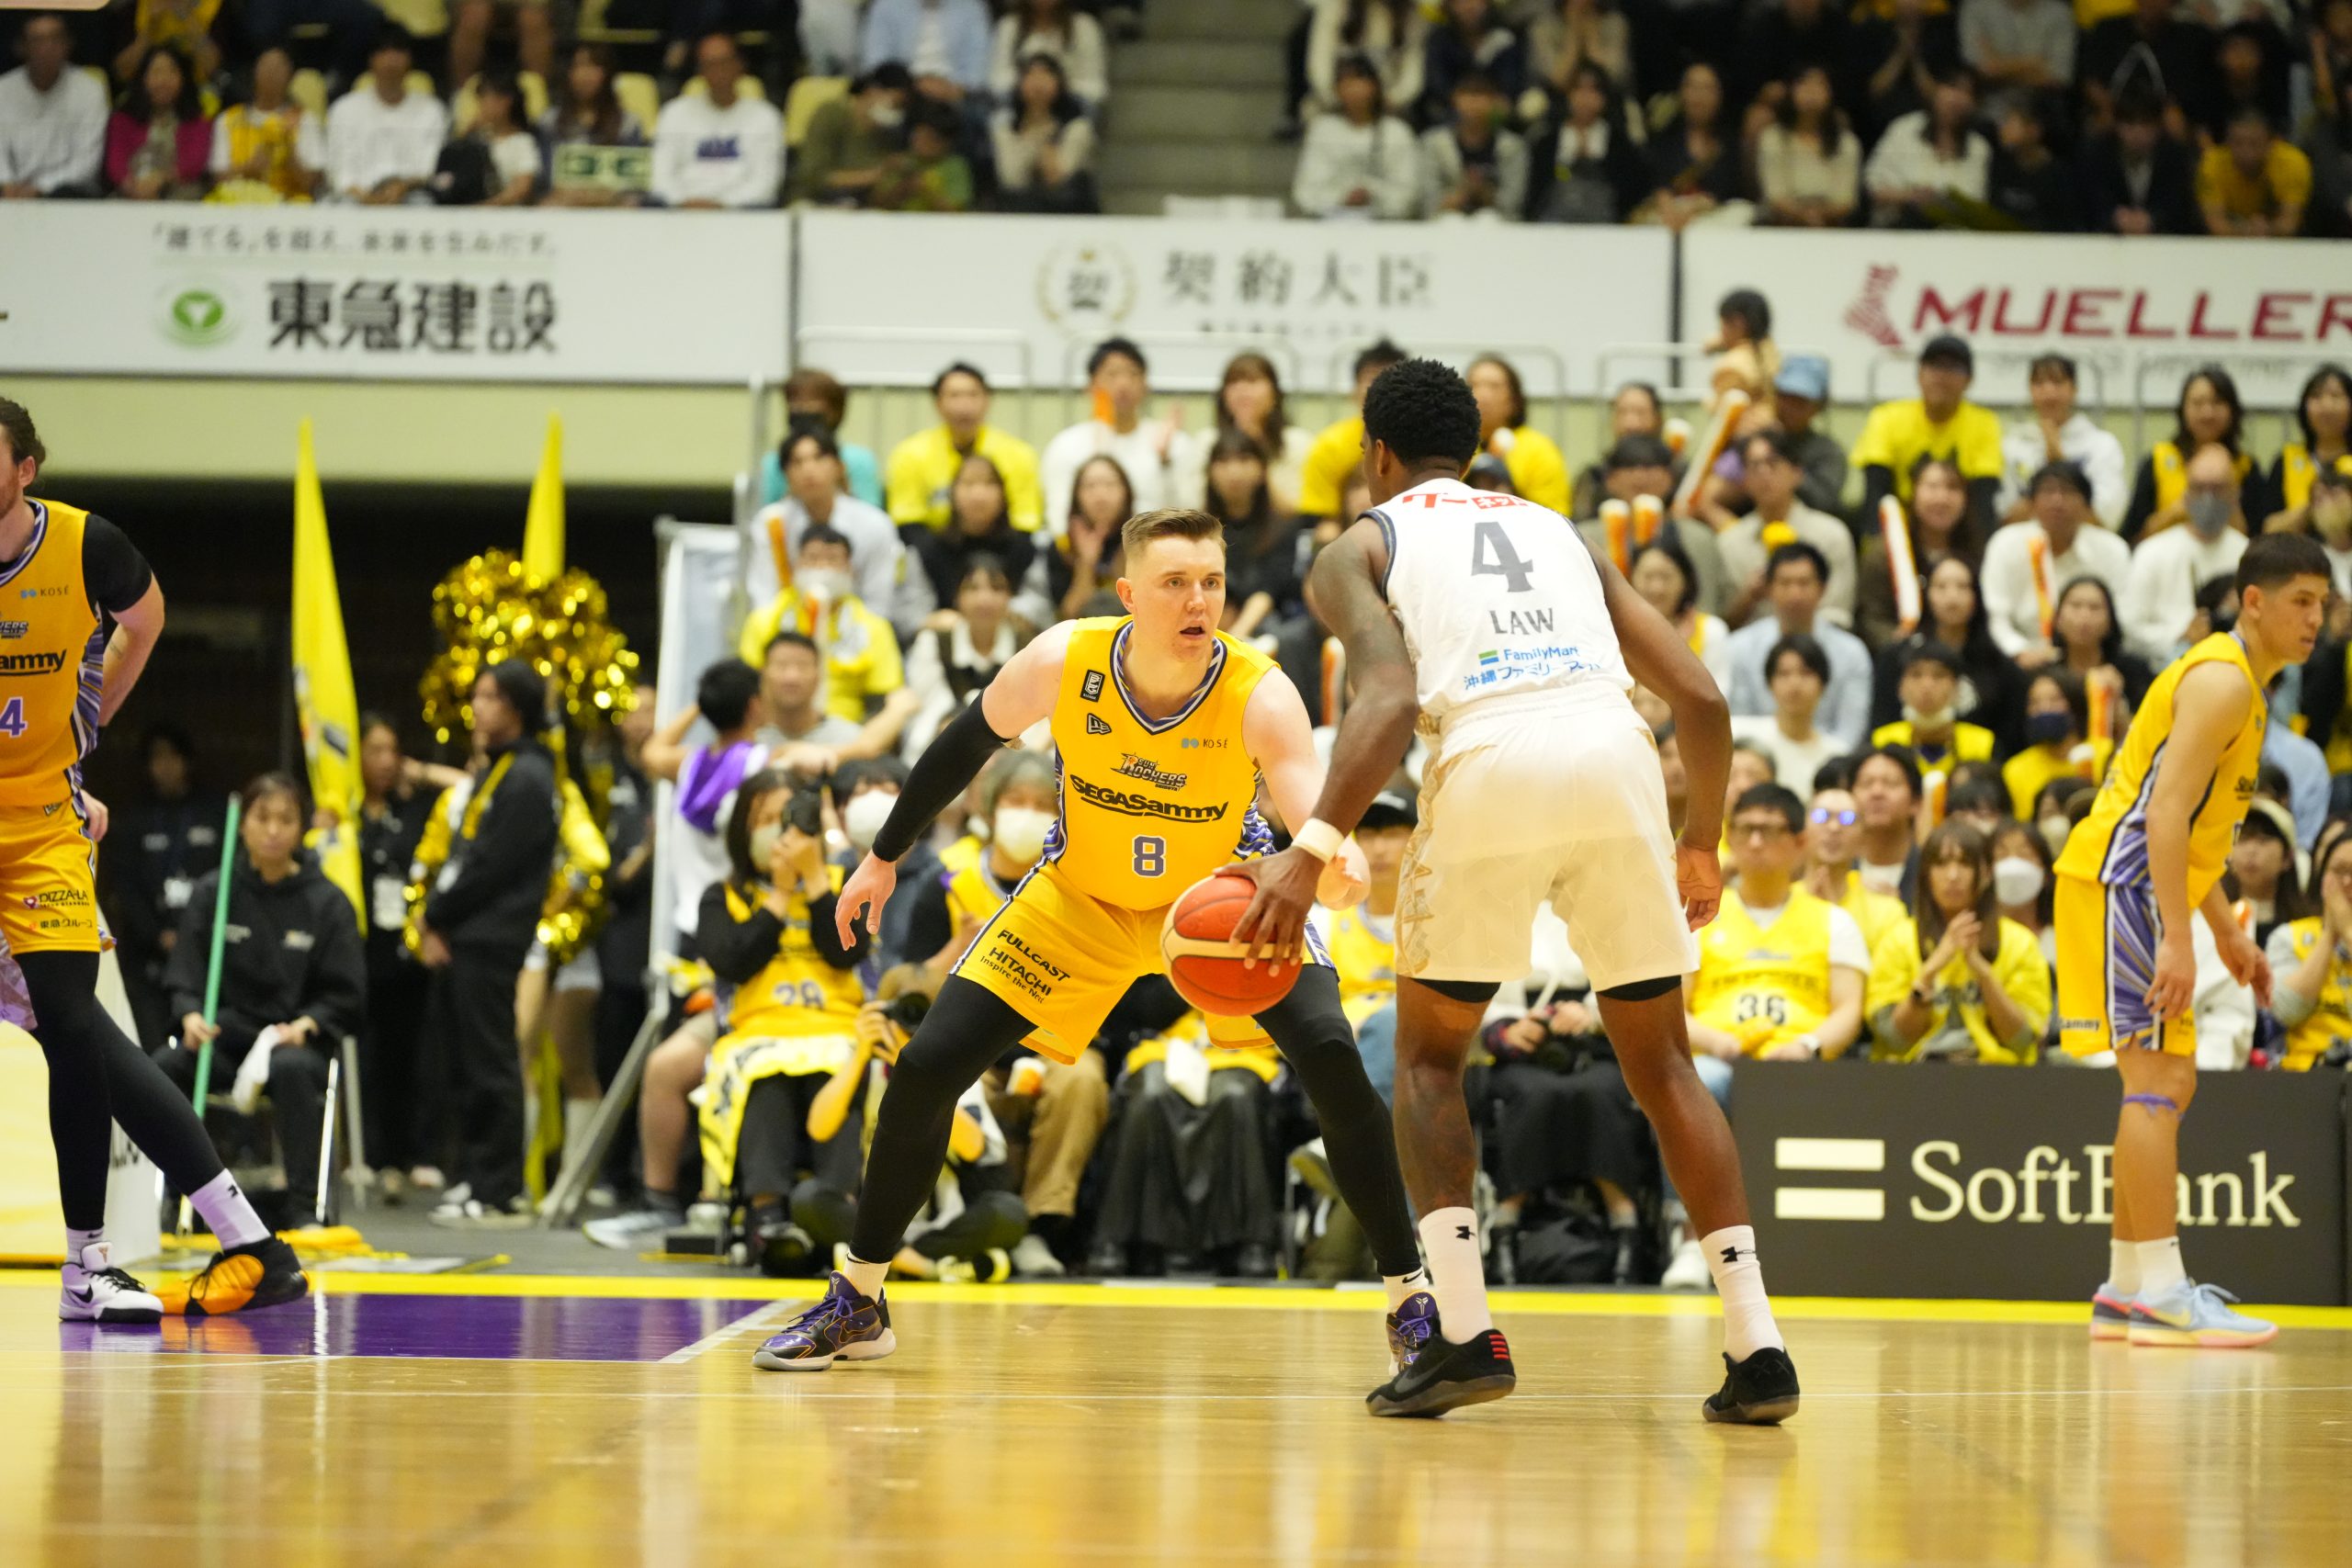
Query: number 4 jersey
x=56 y=604
x=1149 y=807
x=1497 y=597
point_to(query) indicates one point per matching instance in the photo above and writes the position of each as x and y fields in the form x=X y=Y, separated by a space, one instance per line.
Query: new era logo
x=1096 y=726
x=1829 y=1202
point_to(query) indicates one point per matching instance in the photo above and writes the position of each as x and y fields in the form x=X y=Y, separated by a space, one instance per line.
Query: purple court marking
x=492 y=1328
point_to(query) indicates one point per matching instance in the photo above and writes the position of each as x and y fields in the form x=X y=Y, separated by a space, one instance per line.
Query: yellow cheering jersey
x=2331 y=1015
x=797 y=993
x=1765 y=984
x=53 y=654
x=1363 y=951
x=2110 y=845
x=1149 y=807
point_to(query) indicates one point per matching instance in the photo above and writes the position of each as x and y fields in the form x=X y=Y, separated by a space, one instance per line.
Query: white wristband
x=1318 y=839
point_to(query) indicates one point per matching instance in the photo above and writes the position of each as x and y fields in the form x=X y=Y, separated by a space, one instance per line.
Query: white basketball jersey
x=1497 y=597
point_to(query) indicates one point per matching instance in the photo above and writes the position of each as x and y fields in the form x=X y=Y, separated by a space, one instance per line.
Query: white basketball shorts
x=1557 y=797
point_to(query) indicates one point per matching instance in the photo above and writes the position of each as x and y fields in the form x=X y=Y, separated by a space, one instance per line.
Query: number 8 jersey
x=1149 y=807
x=1496 y=597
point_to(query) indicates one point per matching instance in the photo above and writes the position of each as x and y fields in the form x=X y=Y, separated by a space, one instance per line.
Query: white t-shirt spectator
x=2011 y=603
x=1083 y=60
x=1905 y=159
x=2097 y=452
x=1794 y=761
x=2159 y=595
x=1157 y=484
x=52 y=139
x=702 y=855
x=887 y=582
x=733 y=156
x=369 y=140
x=1338 y=158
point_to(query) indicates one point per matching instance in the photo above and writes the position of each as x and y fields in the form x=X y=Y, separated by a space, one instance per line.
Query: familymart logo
x=2045 y=1188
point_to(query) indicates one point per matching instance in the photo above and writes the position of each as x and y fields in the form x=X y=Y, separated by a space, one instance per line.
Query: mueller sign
x=1931 y=1180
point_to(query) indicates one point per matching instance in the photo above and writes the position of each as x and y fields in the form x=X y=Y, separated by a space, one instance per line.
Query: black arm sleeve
x=514 y=841
x=113 y=571
x=945 y=770
x=735 y=950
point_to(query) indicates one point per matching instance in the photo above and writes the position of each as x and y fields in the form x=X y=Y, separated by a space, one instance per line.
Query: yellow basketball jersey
x=2331 y=1018
x=2110 y=845
x=53 y=663
x=798 y=992
x=1765 y=982
x=973 y=895
x=1149 y=807
x=1366 y=962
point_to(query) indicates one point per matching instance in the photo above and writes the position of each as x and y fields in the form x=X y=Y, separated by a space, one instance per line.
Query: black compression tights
x=95 y=1074
x=970 y=1027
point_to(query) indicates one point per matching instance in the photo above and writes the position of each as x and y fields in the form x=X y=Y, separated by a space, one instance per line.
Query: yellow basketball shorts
x=49 y=898
x=2107 y=960
x=1062 y=959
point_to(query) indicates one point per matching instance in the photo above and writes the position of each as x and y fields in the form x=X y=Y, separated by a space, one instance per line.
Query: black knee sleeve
x=1643 y=990
x=1470 y=993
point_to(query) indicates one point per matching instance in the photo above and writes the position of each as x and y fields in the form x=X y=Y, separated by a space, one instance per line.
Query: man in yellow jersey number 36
x=79 y=613
x=2150 y=854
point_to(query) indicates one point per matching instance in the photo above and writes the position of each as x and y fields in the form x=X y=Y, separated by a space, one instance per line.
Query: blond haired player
x=1163 y=726
x=79 y=613
x=2149 y=854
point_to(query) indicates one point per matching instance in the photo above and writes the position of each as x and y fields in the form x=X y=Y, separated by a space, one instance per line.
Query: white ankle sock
x=2160 y=1265
x=1739 y=1281
x=577 y=1115
x=2123 y=1265
x=78 y=1242
x=1400 y=1286
x=865 y=1277
x=1450 y=1241
x=227 y=1214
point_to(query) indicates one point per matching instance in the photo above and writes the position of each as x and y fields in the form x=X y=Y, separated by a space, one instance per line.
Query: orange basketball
x=1204 y=962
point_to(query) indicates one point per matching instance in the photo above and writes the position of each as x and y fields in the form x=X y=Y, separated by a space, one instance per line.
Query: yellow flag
x=543 y=528
x=323 y=689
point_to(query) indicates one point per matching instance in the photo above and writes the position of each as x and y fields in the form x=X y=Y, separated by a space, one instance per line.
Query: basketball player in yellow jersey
x=2149 y=853
x=1163 y=726
x=79 y=613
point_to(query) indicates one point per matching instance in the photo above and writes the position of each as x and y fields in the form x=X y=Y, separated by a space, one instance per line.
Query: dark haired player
x=86 y=612
x=1485 y=619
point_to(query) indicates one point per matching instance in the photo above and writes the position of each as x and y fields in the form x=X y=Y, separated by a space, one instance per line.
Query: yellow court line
x=1534 y=1304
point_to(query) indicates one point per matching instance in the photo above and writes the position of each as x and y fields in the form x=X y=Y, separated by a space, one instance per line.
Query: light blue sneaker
x=2196 y=1316
x=2110 y=1312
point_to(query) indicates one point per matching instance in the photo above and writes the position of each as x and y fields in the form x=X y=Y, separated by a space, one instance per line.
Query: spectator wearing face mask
x=2022 y=888
x=2057 y=720
x=811 y=469
x=863 y=794
x=1956 y=981
x=862 y=665
x=2159 y=596
x=1930 y=725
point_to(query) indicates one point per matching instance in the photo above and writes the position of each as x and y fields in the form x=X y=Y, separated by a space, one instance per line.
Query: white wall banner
x=2267 y=309
x=890 y=298
x=393 y=293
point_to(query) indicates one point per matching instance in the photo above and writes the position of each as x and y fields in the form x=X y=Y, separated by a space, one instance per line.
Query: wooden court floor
x=507 y=1421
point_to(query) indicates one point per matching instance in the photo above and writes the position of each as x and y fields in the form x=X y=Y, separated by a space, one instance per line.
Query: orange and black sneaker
x=264 y=1273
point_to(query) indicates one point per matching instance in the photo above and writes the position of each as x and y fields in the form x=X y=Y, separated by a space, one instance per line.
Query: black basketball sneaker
x=1759 y=1392
x=1446 y=1376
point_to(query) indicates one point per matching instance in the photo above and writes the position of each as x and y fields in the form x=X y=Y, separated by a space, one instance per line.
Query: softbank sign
x=1926 y=1180
x=2266 y=308
x=1939 y=1185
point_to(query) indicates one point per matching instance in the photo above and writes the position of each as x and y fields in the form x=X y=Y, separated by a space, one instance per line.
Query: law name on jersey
x=1497 y=665
x=1132 y=805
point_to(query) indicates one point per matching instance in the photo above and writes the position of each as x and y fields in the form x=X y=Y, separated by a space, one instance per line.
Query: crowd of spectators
x=897 y=105
x=2130 y=117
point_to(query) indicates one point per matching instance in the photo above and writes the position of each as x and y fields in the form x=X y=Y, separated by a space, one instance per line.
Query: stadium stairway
x=1193 y=106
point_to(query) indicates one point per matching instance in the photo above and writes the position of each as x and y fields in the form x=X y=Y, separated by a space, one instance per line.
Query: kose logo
x=2045 y=1188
